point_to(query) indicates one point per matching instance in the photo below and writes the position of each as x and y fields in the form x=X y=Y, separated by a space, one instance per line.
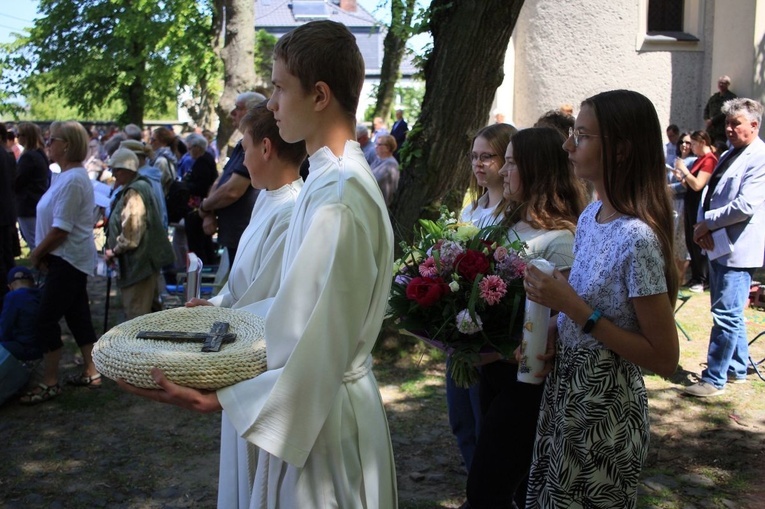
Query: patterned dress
x=592 y=433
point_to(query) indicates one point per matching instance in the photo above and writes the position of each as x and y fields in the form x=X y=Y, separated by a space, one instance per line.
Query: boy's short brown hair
x=259 y=124
x=325 y=51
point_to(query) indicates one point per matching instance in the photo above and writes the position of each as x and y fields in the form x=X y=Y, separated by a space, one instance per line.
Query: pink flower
x=492 y=289
x=428 y=268
x=500 y=253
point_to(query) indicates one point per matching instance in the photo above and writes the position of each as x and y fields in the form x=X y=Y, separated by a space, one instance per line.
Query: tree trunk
x=394 y=45
x=237 y=17
x=133 y=94
x=135 y=103
x=462 y=74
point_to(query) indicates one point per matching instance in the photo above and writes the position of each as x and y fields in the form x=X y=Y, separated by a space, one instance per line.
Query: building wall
x=564 y=52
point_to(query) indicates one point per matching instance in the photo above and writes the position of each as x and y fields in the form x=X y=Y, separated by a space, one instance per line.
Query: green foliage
x=264 y=55
x=92 y=53
x=52 y=106
x=410 y=101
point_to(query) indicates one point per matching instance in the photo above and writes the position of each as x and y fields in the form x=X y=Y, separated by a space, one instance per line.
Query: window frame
x=690 y=39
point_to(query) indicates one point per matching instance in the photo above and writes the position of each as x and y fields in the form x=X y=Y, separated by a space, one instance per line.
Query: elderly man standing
x=730 y=230
x=136 y=236
x=362 y=136
x=713 y=115
x=232 y=197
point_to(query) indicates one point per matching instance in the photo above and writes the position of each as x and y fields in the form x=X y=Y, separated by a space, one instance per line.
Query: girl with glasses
x=487 y=149
x=545 y=200
x=616 y=313
x=486 y=153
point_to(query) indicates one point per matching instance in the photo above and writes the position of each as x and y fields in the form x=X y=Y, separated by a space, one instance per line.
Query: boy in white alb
x=316 y=415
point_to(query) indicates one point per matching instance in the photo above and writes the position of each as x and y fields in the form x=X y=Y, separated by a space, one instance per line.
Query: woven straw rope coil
x=119 y=354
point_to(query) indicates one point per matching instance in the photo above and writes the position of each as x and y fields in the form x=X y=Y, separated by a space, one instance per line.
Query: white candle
x=535 y=324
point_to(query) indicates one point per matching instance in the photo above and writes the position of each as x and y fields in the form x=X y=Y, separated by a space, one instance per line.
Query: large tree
x=93 y=52
x=233 y=24
x=394 y=44
x=462 y=74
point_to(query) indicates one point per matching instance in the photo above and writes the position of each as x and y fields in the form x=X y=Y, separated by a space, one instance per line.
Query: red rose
x=426 y=291
x=471 y=263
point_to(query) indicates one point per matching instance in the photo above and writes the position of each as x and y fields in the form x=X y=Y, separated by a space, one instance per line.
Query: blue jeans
x=728 y=345
x=464 y=408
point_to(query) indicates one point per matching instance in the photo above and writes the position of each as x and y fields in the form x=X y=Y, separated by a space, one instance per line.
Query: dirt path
x=104 y=448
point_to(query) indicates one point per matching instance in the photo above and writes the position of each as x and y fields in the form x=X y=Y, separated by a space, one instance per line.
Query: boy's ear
x=323 y=95
x=267 y=149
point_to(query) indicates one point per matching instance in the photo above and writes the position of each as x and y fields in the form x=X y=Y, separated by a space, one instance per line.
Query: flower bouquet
x=459 y=288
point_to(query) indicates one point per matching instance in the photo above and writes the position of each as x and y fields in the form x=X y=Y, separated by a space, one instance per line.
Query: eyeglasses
x=51 y=140
x=484 y=158
x=578 y=136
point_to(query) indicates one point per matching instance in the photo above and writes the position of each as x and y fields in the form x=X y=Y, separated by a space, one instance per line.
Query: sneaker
x=697 y=288
x=732 y=379
x=703 y=390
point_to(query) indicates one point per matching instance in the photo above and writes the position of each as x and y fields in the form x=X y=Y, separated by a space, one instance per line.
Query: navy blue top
x=18 y=321
x=232 y=220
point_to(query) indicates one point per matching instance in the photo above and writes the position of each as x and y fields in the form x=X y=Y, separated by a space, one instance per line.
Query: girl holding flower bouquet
x=616 y=312
x=488 y=147
x=545 y=200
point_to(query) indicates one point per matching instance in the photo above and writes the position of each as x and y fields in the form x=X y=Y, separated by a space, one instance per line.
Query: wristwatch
x=591 y=321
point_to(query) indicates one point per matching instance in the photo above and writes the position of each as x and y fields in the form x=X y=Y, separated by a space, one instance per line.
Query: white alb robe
x=254 y=276
x=317 y=414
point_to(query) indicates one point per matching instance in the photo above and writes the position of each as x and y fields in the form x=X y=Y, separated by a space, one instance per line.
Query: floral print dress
x=592 y=433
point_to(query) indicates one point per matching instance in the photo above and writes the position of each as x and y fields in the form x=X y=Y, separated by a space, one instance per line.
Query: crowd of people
x=300 y=209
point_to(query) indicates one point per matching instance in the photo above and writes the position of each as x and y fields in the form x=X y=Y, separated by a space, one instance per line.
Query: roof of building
x=278 y=17
x=288 y=14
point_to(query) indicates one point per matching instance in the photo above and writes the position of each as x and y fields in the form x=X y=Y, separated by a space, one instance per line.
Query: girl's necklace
x=604 y=219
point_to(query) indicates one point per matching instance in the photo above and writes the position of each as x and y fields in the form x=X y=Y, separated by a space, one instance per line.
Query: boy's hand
x=174 y=394
x=197 y=302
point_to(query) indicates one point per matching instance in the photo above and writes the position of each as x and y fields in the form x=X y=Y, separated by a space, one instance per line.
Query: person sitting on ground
x=385 y=168
x=136 y=237
x=18 y=321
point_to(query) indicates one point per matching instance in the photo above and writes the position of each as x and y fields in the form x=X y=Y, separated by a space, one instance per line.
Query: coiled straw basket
x=120 y=355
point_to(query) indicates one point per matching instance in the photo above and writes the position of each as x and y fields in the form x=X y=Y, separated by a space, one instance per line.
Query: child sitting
x=18 y=320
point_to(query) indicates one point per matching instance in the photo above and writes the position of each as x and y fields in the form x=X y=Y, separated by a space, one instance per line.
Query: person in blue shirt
x=18 y=321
